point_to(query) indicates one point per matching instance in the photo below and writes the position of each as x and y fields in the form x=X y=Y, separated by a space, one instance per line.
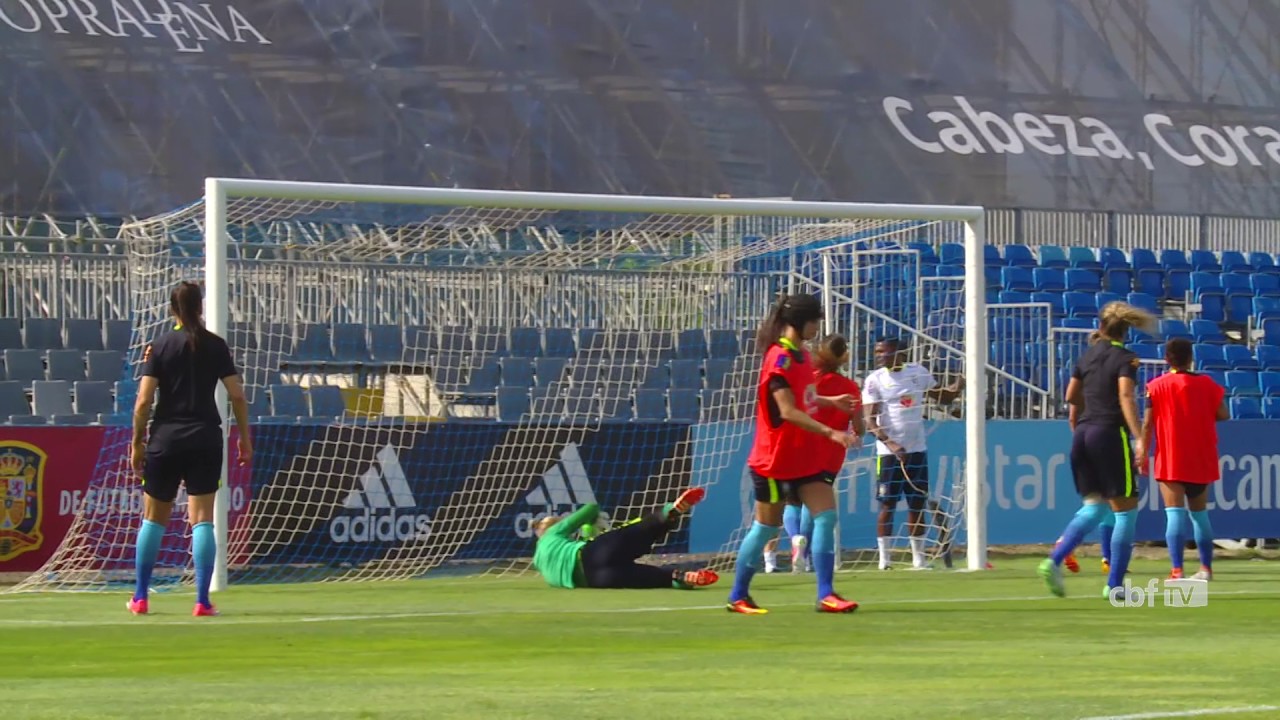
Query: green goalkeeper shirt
x=556 y=555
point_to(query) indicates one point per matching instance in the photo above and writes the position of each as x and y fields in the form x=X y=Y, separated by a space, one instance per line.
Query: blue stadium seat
x=259 y=403
x=1205 y=261
x=386 y=344
x=421 y=342
x=10 y=336
x=13 y=400
x=1081 y=280
x=548 y=370
x=1145 y=301
x=517 y=372
x=656 y=377
x=1265 y=308
x=1209 y=357
x=951 y=254
x=1052 y=256
x=66 y=365
x=1263 y=263
x=315 y=344
x=691 y=345
x=1265 y=285
x=1111 y=257
x=1233 y=284
x=590 y=340
x=1050 y=279
x=1171 y=328
x=1268 y=357
x=1013 y=297
x=1234 y=262
x=684 y=405
x=1018 y=279
x=723 y=345
x=1083 y=258
x=42 y=334
x=1117 y=280
x=526 y=342
x=513 y=403
x=1174 y=260
x=288 y=401
x=1105 y=298
x=490 y=340
x=547 y=402
x=1246 y=408
x=1207 y=331
x=24 y=366
x=1268 y=383
x=686 y=374
x=84 y=335
x=559 y=343
x=242 y=336
x=715 y=371
x=650 y=406
x=991 y=256
x=119 y=333
x=1239 y=357
x=1148 y=351
x=1053 y=300
x=482 y=380
x=1080 y=304
x=1271 y=408
x=928 y=256
x=28 y=420
x=1142 y=258
x=51 y=397
x=327 y=401
x=994 y=279
x=1079 y=323
x=1019 y=256
x=349 y=343
x=1178 y=284
x=1243 y=383
x=616 y=407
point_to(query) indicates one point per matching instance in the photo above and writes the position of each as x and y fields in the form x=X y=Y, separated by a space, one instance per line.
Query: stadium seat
x=1053 y=256
x=288 y=401
x=484 y=378
x=991 y=256
x=119 y=334
x=386 y=344
x=1246 y=408
x=1271 y=408
x=927 y=254
x=72 y=419
x=1013 y=297
x=691 y=345
x=1142 y=258
x=1081 y=280
x=1079 y=324
x=548 y=370
x=657 y=377
x=1239 y=357
x=1263 y=263
x=1117 y=280
x=315 y=344
x=1243 y=383
x=242 y=336
x=686 y=374
x=1105 y=298
x=1265 y=285
x=516 y=372
x=24 y=366
x=513 y=403
x=28 y=420
x=951 y=254
x=589 y=340
x=1174 y=260
x=327 y=401
x=559 y=343
x=350 y=344
x=1049 y=279
x=1209 y=357
x=42 y=334
x=650 y=406
x=1148 y=274
x=1171 y=328
x=1080 y=304
x=684 y=405
x=1234 y=262
x=715 y=371
x=51 y=397
x=1019 y=256
x=1268 y=357
x=1205 y=261
x=421 y=342
x=13 y=401
x=1018 y=279
x=525 y=342
x=1206 y=331
x=490 y=340
x=65 y=365
x=1148 y=351
x=1054 y=301
x=10 y=336
x=723 y=344
x=1178 y=284
x=547 y=402
x=1269 y=383
x=84 y=335
x=1218 y=376
x=1265 y=308
x=1083 y=258
x=1144 y=301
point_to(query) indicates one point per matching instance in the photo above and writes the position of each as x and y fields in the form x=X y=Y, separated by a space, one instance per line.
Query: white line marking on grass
x=1188 y=713
x=267 y=620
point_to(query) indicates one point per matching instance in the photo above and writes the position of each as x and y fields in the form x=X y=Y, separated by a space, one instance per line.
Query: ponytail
x=1115 y=320
x=790 y=311
x=771 y=329
x=187 y=304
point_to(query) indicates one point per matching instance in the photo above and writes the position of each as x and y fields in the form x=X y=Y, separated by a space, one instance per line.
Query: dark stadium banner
x=122 y=107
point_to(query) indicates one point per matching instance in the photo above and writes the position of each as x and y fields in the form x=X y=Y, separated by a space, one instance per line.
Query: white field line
x=1188 y=713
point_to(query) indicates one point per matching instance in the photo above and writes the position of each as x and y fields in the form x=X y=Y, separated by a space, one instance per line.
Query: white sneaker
x=886 y=566
x=1205 y=575
x=798 y=544
x=770 y=563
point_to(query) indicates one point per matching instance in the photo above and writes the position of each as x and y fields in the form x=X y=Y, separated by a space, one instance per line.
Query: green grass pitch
x=924 y=645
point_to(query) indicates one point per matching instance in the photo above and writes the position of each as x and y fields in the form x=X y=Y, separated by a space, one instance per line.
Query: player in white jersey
x=893 y=398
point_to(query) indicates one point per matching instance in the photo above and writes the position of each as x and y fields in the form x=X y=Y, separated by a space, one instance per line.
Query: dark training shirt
x=1099 y=370
x=186 y=415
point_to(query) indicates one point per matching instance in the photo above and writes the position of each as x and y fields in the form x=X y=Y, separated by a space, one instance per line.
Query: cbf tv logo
x=1175 y=593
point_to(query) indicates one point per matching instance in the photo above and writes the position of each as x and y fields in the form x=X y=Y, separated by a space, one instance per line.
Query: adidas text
x=384 y=504
x=379 y=528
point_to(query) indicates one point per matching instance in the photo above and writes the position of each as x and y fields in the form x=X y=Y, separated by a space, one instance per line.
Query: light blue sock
x=204 y=549
x=806 y=529
x=749 y=553
x=1204 y=537
x=791 y=520
x=1122 y=546
x=1085 y=520
x=824 y=551
x=1108 y=527
x=150 y=535
x=1175 y=534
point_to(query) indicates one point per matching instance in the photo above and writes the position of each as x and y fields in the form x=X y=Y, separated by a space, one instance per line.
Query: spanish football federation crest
x=21 y=478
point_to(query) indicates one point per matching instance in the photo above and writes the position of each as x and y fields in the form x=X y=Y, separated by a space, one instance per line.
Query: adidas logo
x=562 y=488
x=380 y=507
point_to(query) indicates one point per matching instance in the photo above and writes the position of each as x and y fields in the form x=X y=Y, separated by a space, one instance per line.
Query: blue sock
x=1108 y=528
x=1204 y=537
x=806 y=529
x=1086 y=519
x=150 y=536
x=791 y=521
x=824 y=550
x=1175 y=533
x=1122 y=546
x=749 y=553
x=203 y=551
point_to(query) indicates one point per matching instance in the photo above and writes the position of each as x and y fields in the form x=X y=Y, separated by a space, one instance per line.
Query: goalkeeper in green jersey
x=609 y=559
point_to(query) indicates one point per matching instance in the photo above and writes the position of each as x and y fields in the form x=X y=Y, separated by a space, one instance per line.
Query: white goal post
x=220 y=191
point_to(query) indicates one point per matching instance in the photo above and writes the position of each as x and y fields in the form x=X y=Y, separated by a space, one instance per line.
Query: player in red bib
x=1183 y=408
x=784 y=456
x=797 y=521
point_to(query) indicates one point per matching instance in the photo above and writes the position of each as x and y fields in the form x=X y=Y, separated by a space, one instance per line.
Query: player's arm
x=1148 y=432
x=1075 y=398
x=142 y=407
x=1223 y=412
x=1129 y=405
x=790 y=412
x=239 y=405
x=585 y=515
x=845 y=403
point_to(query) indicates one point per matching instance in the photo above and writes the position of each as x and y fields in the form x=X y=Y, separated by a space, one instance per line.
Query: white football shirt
x=901 y=398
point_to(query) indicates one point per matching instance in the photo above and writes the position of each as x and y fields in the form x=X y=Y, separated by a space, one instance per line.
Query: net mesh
x=424 y=391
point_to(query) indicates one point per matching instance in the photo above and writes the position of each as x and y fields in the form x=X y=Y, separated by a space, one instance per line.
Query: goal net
x=431 y=371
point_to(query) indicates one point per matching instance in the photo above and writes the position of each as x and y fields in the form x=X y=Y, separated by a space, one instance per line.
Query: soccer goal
x=432 y=370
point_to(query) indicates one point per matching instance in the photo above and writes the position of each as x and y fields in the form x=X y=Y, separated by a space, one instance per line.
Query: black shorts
x=1102 y=462
x=1191 y=490
x=773 y=490
x=199 y=468
x=892 y=482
